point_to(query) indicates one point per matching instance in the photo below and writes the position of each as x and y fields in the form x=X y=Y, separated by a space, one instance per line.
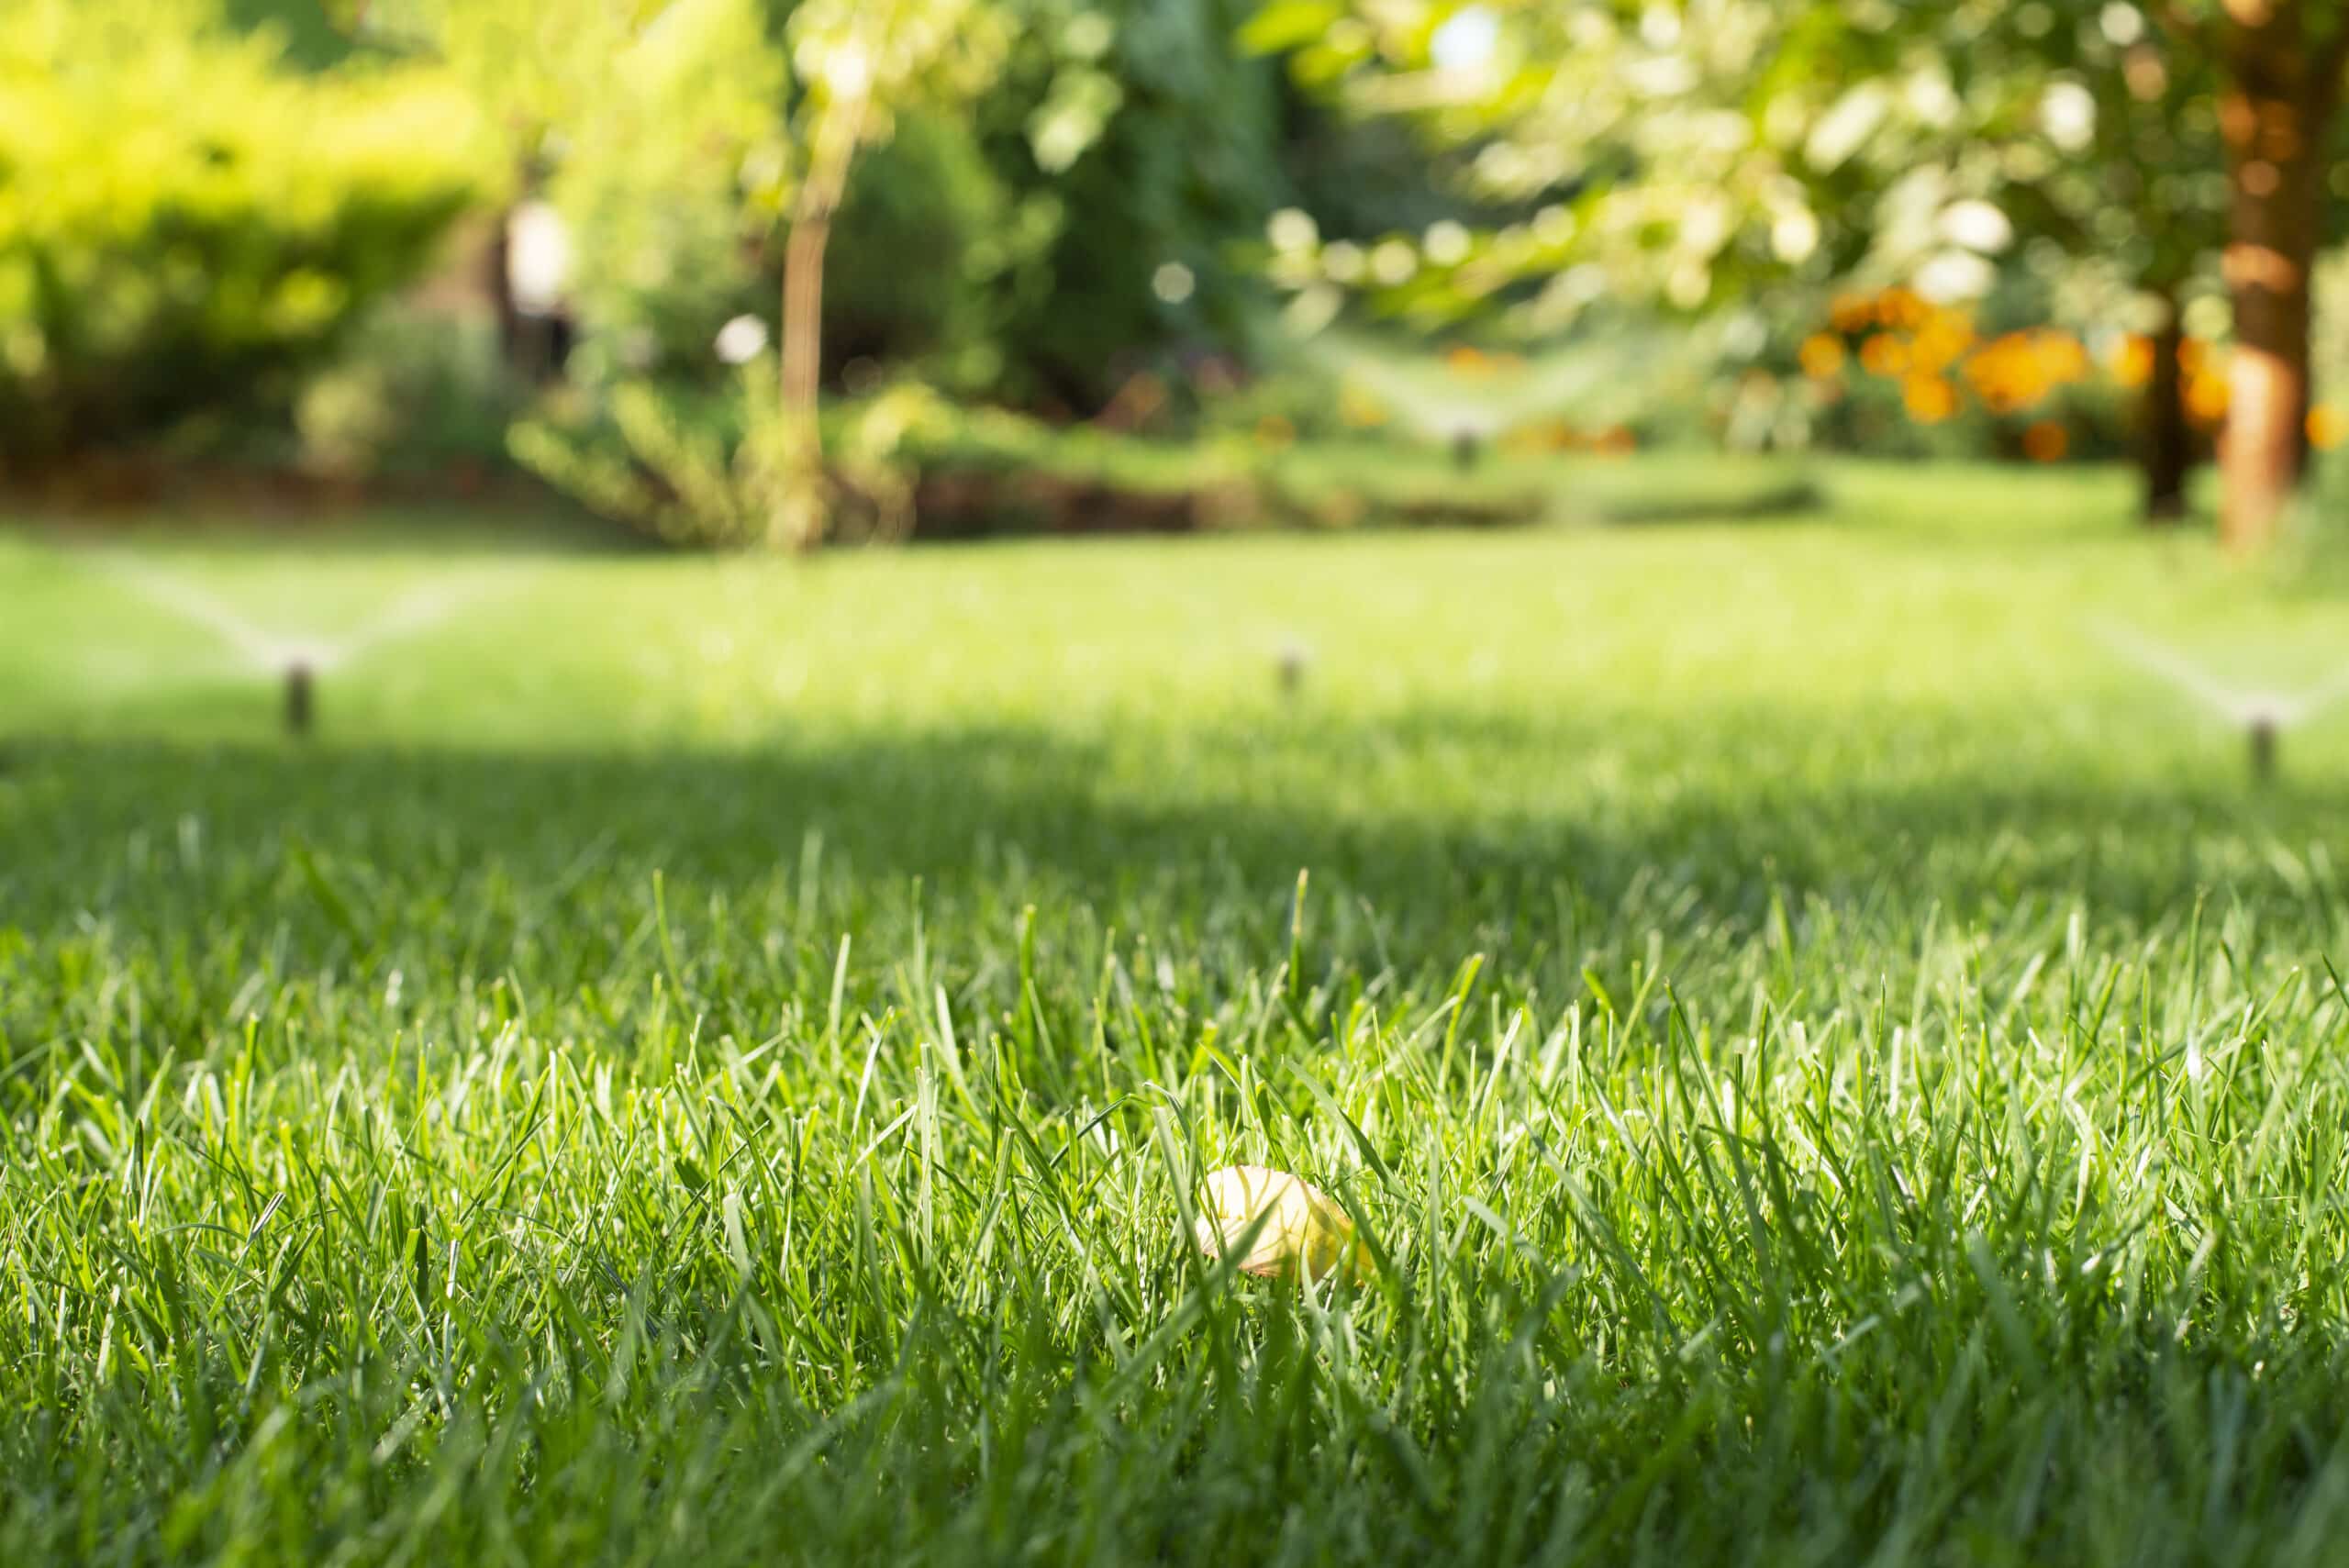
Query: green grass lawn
x=708 y=1059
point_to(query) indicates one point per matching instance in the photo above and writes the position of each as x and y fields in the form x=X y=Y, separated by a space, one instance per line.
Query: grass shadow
x=507 y=855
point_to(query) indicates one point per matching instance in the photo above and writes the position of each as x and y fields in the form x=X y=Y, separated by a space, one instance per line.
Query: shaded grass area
x=704 y=1058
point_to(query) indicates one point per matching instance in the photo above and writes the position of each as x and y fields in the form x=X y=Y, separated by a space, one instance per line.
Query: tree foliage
x=1694 y=152
x=1155 y=142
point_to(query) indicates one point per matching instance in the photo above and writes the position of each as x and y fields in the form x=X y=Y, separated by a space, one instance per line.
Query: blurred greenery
x=938 y=241
x=186 y=224
x=1209 y=221
x=410 y=396
x=671 y=166
x=1186 y=165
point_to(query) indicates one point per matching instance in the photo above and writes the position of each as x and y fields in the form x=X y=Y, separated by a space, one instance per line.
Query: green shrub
x=1179 y=166
x=1300 y=397
x=717 y=470
x=413 y=392
x=186 y=224
x=685 y=467
x=925 y=247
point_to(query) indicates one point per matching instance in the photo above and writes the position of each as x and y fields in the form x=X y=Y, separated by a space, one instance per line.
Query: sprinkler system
x=2263 y=717
x=1464 y=413
x=1291 y=663
x=300 y=707
x=2263 y=733
x=298 y=664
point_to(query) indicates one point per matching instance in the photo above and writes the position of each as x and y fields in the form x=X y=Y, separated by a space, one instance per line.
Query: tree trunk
x=2273 y=115
x=800 y=512
x=2167 y=442
x=800 y=519
x=802 y=320
x=498 y=280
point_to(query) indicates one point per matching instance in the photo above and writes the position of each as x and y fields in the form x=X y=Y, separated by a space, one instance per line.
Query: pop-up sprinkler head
x=301 y=709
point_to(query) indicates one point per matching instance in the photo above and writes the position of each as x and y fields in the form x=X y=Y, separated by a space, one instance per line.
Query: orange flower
x=1822 y=355
x=2328 y=426
x=1885 y=355
x=2046 y=441
x=1901 y=307
x=1986 y=373
x=2062 y=357
x=1929 y=399
x=1615 y=441
x=2010 y=373
x=1851 y=314
x=2206 y=397
x=2133 y=361
x=1945 y=335
x=1468 y=361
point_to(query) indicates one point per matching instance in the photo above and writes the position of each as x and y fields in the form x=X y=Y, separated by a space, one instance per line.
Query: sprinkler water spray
x=2263 y=717
x=299 y=662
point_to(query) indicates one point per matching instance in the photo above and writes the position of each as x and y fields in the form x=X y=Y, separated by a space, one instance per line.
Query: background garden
x=743 y=271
